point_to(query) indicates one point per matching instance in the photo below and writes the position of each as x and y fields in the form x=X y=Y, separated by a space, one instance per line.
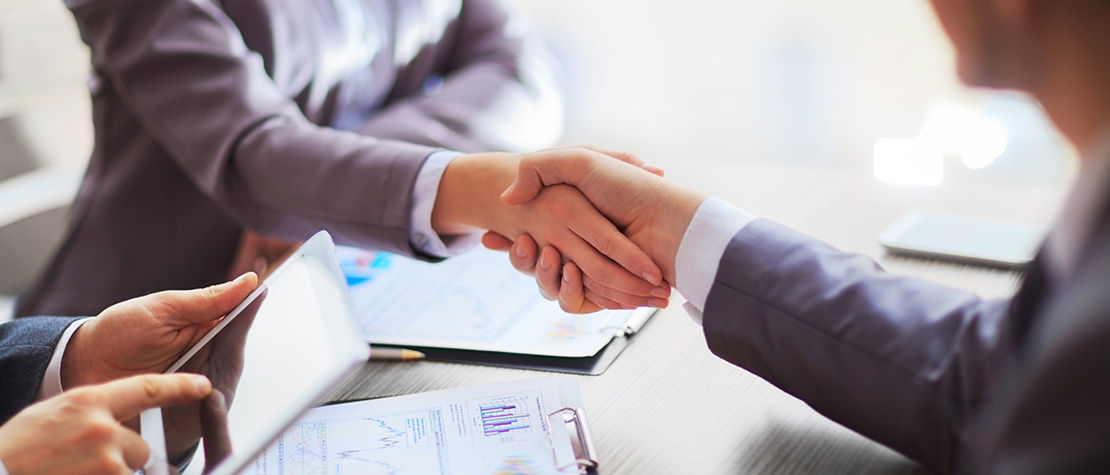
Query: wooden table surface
x=667 y=405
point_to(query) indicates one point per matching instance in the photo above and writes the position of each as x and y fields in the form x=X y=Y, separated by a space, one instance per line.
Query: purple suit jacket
x=958 y=383
x=282 y=117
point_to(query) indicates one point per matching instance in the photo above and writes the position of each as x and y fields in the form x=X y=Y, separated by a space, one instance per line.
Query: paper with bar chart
x=475 y=301
x=493 y=429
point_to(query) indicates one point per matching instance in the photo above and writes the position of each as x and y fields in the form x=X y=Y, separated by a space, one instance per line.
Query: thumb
x=627 y=157
x=126 y=398
x=203 y=305
x=527 y=184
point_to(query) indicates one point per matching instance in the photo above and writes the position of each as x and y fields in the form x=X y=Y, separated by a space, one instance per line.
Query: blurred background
x=805 y=81
x=858 y=86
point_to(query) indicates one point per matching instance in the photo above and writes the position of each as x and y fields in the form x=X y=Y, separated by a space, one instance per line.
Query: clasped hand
x=651 y=213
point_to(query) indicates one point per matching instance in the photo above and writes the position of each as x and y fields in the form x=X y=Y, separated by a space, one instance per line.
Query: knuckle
x=81 y=398
x=150 y=386
x=603 y=276
x=98 y=432
x=606 y=244
x=211 y=296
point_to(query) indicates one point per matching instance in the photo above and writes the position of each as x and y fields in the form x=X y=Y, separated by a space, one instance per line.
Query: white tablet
x=274 y=356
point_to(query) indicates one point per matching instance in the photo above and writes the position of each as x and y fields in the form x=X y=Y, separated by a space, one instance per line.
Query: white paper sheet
x=476 y=301
x=493 y=429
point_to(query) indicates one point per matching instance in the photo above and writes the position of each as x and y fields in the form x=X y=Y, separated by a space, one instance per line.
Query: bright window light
x=979 y=140
x=908 y=162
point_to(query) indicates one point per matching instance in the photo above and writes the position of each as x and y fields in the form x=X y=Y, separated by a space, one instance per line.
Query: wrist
x=468 y=197
x=676 y=210
x=76 y=365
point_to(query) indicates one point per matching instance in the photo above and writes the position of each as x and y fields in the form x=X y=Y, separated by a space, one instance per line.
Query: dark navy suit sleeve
x=901 y=360
x=26 y=346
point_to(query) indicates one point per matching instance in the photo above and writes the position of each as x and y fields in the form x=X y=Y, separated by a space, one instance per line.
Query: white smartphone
x=962 y=238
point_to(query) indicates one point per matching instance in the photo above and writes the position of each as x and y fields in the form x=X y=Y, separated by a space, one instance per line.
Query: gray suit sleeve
x=900 y=360
x=182 y=68
x=26 y=345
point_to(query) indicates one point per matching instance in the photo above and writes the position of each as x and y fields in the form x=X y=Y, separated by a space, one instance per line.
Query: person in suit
x=221 y=121
x=70 y=382
x=956 y=382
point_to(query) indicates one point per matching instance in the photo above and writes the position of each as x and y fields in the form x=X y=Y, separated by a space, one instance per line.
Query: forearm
x=196 y=89
x=900 y=360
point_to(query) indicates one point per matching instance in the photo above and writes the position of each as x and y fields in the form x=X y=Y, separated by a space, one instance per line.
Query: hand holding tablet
x=273 y=357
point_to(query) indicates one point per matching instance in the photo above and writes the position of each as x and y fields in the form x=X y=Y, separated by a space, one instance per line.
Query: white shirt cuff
x=51 y=384
x=712 y=228
x=423 y=237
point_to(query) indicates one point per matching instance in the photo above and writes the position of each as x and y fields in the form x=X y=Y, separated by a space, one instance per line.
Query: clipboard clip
x=584 y=447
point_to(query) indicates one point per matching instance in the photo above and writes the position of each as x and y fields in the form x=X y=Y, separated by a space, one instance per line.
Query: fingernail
x=520 y=251
x=661 y=292
x=657 y=303
x=652 y=168
x=202 y=384
x=544 y=264
x=648 y=276
x=566 y=277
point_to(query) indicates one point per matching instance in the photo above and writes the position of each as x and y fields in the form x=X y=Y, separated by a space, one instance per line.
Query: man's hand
x=147 y=334
x=618 y=271
x=653 y=213
x=80 y=432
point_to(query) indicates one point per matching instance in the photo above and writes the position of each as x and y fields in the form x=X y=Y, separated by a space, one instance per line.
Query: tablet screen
x=284 y=349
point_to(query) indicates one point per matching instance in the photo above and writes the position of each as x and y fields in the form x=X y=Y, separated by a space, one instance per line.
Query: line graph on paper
x=507 y=418
x=401 y=303
x=393 y=444
x=474 y=301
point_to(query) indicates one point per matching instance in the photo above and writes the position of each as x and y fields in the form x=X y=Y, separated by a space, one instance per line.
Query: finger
x=603 y=270
x=545 y=168
x=606 y=273
x=201 y=305
x=608 y=240
x=527 y=184
x=550 y=281
x=496 y=242
x=626 y=157
x=126 y=398
x=133 y=448
x=624 y=300
x=604 y=302
x=548 y=272
x=572 y=298
x=524 y=255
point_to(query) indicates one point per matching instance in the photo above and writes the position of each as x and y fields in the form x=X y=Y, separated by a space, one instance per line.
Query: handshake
x=607 y=228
